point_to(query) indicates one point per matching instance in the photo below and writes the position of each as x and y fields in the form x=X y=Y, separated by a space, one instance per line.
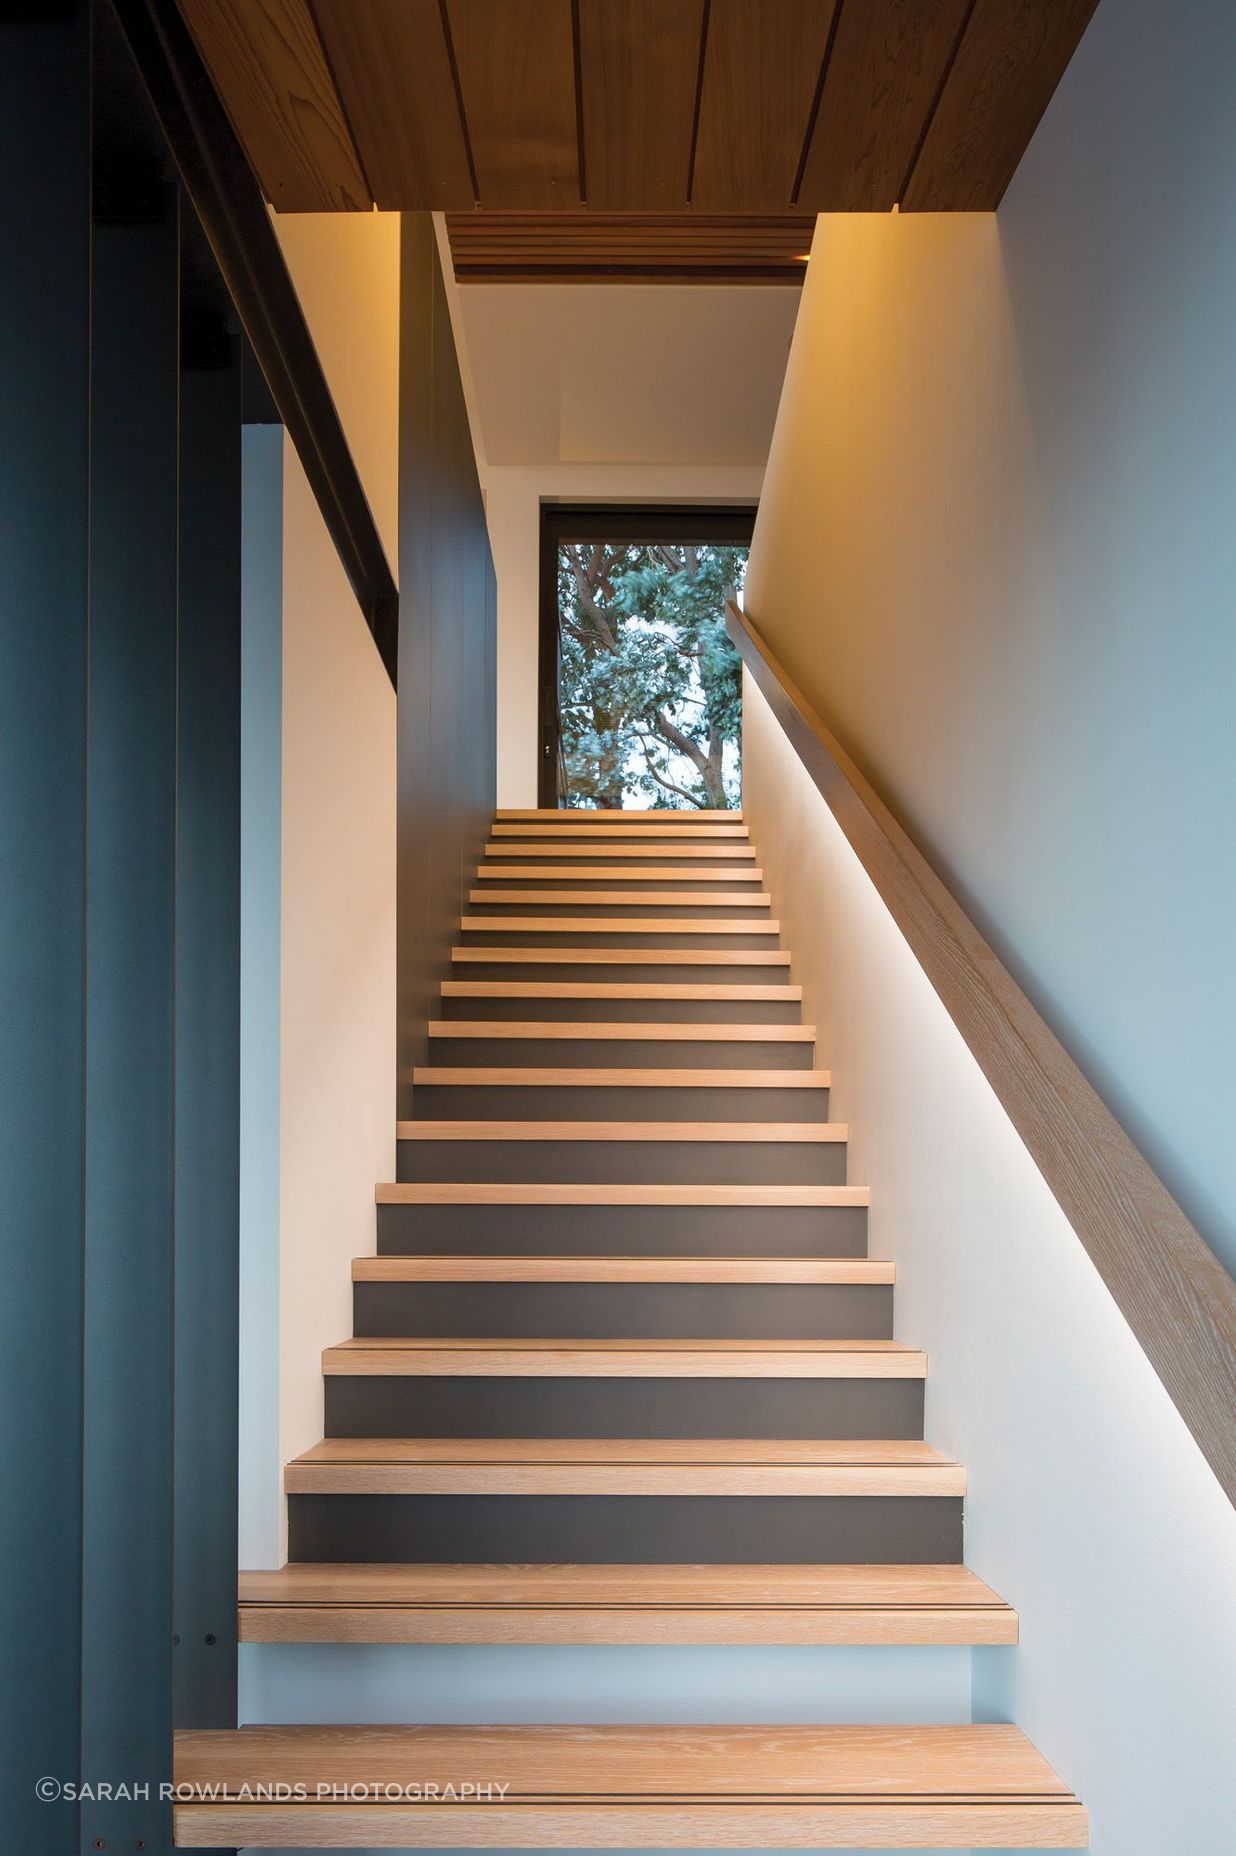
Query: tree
x=650 y=688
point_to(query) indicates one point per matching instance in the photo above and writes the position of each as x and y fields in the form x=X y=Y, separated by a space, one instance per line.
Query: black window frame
x=728 y=523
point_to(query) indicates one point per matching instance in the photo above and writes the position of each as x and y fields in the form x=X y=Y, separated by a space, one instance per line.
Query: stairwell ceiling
x=709 y=125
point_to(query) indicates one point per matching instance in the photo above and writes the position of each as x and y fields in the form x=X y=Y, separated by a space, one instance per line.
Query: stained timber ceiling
x=718 y=109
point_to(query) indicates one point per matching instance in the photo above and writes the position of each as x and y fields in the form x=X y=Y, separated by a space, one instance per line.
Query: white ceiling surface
x=625 y=373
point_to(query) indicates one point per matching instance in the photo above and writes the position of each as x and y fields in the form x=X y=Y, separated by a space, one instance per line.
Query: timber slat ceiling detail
x=719 y=109
x=597 y=247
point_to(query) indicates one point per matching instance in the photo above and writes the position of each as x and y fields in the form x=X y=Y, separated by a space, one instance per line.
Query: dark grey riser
x=614 y=1053
x=593 y=937
x=618 y=973
x=512 y=1102
x=635 y=1231
x=639 y=1011
x=603 y=1311
x=717 y=1163
x=628 y=1529
x=417 y=1406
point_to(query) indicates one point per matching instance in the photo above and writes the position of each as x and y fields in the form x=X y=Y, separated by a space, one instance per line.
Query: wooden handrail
x=1174 y=1293
x=228 y=201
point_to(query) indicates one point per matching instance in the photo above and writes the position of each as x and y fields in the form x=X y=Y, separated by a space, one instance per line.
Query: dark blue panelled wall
x=120 y=421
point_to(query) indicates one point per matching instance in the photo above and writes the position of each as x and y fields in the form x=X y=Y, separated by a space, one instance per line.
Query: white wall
x=318 y=909
x=337 y=1124
x=1089 y=1507
x=595 y=392
x=334 y=968
x=998 y=551
x=626 y=373
x=345 y=267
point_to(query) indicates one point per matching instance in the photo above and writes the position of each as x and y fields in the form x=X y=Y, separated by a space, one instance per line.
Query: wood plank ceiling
x=685 y=117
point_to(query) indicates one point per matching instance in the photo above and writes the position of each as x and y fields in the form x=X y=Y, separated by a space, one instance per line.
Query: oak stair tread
x=520 y=1358
x=557 y=1192
x=444 y=1076
x=618 y=989
x=653 y=851
x=488 y=1268
x=824 y=1604
x=627 y=898
x=613 y=924
x=632 y=1466
x=608 y=873
x=627 y=956
x=729 y=1132
x=622 y=1786
x=631 y=1587
x=769 y=1452
x=637 y=815
x=652 y=1031
x=609 y=831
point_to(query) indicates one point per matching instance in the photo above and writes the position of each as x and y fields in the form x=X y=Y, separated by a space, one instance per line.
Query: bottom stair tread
x=623 y=1786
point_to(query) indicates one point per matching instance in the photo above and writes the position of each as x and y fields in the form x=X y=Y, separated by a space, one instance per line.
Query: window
x=641 y=689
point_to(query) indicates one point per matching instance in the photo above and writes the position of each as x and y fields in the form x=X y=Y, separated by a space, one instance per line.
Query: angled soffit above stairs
x=738 y=118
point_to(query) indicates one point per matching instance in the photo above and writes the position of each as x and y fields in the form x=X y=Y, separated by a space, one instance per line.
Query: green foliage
x=650 y=688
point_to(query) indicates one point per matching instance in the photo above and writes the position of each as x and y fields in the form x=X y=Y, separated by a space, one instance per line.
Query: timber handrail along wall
x=1172 y=1290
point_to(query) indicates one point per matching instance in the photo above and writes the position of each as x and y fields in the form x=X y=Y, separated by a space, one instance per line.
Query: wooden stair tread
x=635 y=1466
x=626 y=1587
x=442 y=1076
x=626 y=1761
x=661 y=1131
x=651 y=1786
x=628 y=898
x=543 y=1192
x=617 y=1269
x=654 y=1031
x=824 y=1604
x=611 y=924
x=629 y=989
x=606 y=873
x=469 y=1357
x=609 y=832
x=653 y=851
x=768 y=1452
x=627 y=956
x=571 y=815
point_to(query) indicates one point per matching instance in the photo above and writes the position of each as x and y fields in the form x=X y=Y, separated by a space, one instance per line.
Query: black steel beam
x=207 y=1053
x=44 y=460
x=229 y=203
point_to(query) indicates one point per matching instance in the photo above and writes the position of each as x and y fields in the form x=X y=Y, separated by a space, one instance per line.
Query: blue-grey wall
x=997 y=546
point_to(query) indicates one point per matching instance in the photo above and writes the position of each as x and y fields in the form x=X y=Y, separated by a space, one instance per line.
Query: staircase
x=622 y=1372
